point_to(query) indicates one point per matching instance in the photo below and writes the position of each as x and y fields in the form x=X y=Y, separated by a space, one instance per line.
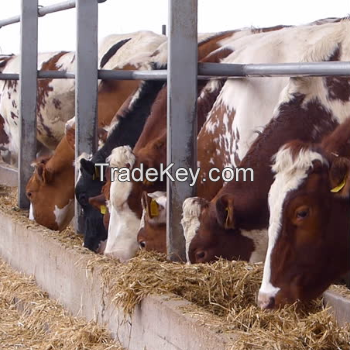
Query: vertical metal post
x=164 y=29
x=86 y=85
x=181 y=123
x=28 y=94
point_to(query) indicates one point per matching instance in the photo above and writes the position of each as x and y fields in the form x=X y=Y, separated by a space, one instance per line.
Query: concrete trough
x=158 y=322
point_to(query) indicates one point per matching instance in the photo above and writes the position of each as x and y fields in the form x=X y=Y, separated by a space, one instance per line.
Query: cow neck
x=63 y=157
x=294 y=121
x=130 y=126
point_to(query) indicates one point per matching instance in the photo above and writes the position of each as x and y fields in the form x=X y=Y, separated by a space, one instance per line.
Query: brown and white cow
x=111 y=97
x=309 y=218
x=55 y=102
x=150 y=151
x=234 y=223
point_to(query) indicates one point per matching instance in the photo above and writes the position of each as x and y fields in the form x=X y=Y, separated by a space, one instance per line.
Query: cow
x=111 y=97
x=154 y=125
x=150 y=151
x=55 y=103
x=233 y=224
x=309 y=224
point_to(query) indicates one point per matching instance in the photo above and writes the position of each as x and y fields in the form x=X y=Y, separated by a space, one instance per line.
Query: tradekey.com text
x=126 y=174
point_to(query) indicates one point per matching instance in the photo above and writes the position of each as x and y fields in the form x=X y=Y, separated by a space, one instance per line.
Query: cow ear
x=339 y=177
x=99 y=202
x=225 y=211
x=87 y=166
x=43 y=174
x=144 y=201
x=150 y=205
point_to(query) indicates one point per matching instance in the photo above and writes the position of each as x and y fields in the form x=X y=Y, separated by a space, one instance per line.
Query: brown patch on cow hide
x=4 y=139
x=44 y=89
x=13 y=115
x=338 y=88
x=57 y=103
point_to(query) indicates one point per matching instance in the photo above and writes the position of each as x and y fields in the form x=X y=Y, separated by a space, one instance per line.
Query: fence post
x=182 y=121
x=28 y=95
x=86 y=85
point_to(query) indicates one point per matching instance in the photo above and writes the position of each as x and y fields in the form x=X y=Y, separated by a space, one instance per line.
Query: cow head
x=309 y=226
x=210 y=233
x=89 y=185
x=51 y=194
x=152 y=234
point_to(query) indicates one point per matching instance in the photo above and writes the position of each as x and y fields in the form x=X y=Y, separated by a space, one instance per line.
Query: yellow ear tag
x=103 y=209
x=154 y=208
x=339 y=187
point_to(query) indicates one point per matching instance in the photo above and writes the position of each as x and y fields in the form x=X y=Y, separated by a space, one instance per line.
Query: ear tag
x=154 y=208
x=147 y=183
x=339 y=187
x=103 y=209
x=228 y=224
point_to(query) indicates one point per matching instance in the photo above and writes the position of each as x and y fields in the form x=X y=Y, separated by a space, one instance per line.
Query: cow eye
x=29 y=194
x=200 y=255
x=302 y=213
x=142 y=244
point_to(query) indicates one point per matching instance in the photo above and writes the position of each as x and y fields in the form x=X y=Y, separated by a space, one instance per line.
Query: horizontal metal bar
x=8 y=21
x=318 y=69
x=42 y=11
x=54 y=74
x=210 y=70
x=132 y=75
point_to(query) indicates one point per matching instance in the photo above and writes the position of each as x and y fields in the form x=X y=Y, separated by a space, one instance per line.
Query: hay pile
x=30 y=320
x=228 y=290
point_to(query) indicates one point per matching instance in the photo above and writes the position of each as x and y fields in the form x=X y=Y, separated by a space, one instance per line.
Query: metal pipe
x=85 y=88
x=315 y=69
x=42 y=11
x=181 y=116
x=28 y=93
x=212 y=70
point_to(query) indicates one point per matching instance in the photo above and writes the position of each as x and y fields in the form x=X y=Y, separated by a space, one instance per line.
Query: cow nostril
x=265 y=301
x=271 y=303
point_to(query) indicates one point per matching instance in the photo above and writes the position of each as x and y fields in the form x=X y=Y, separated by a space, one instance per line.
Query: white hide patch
x=76 y=163
x=124 y=224
x=64 y=215
x=260 y=240
x=121 y=157
x=31 y=212
x=290 y=173
x=136 y=51
x=70 y=124
x=191 y=210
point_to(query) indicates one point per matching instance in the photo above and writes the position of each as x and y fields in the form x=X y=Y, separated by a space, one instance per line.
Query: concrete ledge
x=8 y=175
x=157 y=322
x=340 y=306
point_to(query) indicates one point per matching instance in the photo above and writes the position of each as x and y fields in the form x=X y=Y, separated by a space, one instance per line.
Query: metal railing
x=181 y=75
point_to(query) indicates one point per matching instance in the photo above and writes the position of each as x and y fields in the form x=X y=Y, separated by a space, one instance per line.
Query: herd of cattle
x=293 y=132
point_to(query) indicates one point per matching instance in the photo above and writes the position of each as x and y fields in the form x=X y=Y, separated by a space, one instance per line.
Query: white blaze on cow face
x=31 y=212
x=124 y=224
x=290 y=174
x=190 y=221
x=64 y=215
